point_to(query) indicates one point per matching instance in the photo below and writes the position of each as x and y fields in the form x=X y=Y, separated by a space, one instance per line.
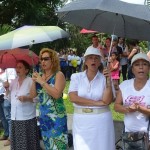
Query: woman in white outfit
x=133 y=98
x=24 y=131
x=93 y=127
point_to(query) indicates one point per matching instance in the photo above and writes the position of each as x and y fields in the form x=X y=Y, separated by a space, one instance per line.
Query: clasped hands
x=133 y=107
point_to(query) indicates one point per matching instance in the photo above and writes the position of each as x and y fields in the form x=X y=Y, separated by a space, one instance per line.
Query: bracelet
x=43 y=83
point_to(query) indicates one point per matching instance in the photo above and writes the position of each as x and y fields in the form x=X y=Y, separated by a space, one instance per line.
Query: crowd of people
x=94 y=84
x=119 y=53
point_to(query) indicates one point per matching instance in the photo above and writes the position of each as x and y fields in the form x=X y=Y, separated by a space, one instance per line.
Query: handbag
x=70 y=140
x=135 y=140
x=1 y=98
x=134 y=136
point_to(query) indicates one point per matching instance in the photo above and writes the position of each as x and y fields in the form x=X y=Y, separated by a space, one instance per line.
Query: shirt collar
x=97 y=75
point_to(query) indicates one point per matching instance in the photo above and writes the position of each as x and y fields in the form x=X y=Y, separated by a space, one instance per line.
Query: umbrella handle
x=110 y=49
x=6 y=75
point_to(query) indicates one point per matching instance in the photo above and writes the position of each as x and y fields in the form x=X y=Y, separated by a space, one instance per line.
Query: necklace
x=46 y=77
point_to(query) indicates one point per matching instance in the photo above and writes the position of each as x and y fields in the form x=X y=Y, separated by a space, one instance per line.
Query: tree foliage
x=16 y=13
x=29 y=12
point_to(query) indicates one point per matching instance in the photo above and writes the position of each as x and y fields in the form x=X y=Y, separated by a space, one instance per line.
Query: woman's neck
x=47 y=74
x=21 y=79
x=91 y=74
x=139 y=83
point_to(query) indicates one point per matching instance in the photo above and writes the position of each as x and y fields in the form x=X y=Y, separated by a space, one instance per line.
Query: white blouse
x=90 y=90
x=21 y=110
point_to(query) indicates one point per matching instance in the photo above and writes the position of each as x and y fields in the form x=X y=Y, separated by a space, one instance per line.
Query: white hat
x=92 y=51
x=140 y=56
x=114 y=37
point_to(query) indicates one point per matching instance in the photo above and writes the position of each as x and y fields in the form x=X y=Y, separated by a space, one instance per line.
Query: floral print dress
x=53 y=119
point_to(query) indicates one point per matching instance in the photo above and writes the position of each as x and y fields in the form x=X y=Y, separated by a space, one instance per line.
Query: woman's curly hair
x=54 y=58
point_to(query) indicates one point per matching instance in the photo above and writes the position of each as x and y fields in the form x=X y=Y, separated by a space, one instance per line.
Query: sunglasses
x=45 y=58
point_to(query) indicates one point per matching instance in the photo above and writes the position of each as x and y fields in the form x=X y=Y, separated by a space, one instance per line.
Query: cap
x=92 y=51
x=114 y=38
x=140 y=56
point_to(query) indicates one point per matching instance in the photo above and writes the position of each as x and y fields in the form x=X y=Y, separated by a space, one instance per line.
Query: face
x=21 y=70
x=140 y=68
x=114 y=43
x=113 y=56
x=95 y=41
x=46 y=63
x=93 y=62
x=107 y=42
x=121 y=40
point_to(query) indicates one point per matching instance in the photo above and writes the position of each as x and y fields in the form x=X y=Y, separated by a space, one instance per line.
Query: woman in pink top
x=114 y=68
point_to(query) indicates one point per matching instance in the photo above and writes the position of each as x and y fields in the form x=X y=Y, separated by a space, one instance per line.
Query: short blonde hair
x=54 y=58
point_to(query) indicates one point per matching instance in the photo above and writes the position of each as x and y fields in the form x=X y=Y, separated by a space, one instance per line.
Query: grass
x=69 y=106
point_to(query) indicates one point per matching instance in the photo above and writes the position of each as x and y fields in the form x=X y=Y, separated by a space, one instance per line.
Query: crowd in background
x=71 y=60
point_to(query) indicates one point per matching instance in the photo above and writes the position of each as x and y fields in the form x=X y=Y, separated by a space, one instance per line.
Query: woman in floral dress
x=49 y=88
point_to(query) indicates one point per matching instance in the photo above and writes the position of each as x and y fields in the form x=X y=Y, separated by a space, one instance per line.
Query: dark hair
x=114 y=53
x=94 y=36
x=26 y=65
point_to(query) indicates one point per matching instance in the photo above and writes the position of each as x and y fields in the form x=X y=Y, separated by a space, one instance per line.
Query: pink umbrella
x=9 y=58
x=85 y=31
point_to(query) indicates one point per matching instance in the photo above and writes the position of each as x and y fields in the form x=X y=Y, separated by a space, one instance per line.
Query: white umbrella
x=109 y=16
x=26 y=35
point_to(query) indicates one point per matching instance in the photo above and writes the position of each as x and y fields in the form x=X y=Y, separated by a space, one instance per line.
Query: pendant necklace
x=46 y=77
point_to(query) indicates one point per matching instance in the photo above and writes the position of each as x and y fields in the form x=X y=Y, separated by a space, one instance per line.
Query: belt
x=91 y=110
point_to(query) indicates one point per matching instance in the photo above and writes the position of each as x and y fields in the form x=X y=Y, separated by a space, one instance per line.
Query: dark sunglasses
x=45 y=58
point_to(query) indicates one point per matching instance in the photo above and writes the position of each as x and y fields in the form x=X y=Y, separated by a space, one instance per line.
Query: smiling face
x=140 y=68
x=92 y=62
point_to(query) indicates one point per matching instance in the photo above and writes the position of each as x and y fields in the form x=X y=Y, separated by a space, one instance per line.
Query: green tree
x=29 y=12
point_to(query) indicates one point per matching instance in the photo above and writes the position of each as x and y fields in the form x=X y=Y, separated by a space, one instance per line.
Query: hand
x=6 y=84
x=106 y=72
x=132 y=108
x=21 y=98
x=37 y=78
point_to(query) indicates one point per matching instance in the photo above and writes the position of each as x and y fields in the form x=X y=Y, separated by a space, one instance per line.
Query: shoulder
x=148 y=82
x=59 y=74
x=14 y=81
x=126 y=83
x=78 y=75
x=29 y=80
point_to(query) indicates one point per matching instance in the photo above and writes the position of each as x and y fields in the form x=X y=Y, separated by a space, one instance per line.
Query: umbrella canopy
x=26 y=35
x=109 y=16
x=85 y=31
x=9 y=58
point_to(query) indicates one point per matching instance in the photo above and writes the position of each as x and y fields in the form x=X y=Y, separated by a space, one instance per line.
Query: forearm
x=143 y=110
x=121 y=109
x=51 y=90
x=108 y=94
x=27 y=98
x=85 y=102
